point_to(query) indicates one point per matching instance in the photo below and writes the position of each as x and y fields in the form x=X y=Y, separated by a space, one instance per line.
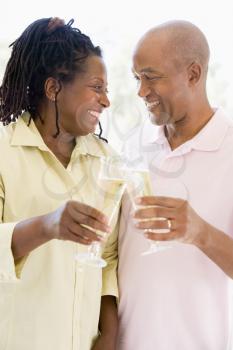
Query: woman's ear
x=51 y=87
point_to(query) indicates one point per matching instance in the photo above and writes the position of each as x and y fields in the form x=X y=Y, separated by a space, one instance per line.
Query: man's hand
x=181 y=221
x=186 y=226
x=104 y=343
x=72 y=222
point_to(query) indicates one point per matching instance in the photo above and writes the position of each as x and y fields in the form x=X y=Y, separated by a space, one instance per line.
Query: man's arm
x=218 y=247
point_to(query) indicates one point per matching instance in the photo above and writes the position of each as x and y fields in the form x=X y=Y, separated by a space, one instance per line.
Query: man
x=178 y=298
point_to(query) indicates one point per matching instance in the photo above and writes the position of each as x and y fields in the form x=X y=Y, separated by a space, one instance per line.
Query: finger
x=169 y=202
x=68 y=235
x=91 y=222
x=162 y=224
x=88 y=211
x=77 y=238
x=84 y=232
x=172 y=235
x=155 y=212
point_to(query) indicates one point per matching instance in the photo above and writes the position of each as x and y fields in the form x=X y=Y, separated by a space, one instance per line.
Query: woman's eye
x=97 y=87
x=100 y=88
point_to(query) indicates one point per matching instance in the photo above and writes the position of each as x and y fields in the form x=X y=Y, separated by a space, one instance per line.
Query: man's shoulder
x=227 y=119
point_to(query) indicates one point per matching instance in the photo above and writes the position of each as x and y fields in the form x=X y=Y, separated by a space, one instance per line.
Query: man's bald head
x=181 y=41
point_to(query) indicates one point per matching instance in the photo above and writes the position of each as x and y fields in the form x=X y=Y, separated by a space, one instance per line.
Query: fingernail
x=108 y=229
x=138 y=200
x=105 y=220
x=104 y=236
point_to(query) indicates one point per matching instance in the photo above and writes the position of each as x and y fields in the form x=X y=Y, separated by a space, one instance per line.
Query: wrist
x=109 y=339
x=202 y=236
x=109 y=334
x=46 y=227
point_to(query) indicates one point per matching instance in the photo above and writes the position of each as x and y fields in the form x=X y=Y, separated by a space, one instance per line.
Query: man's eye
x=146 y=77
x=98 y=87
x=137 y=79
x=152 y=78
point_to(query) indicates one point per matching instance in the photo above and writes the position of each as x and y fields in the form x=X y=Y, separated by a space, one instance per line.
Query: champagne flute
x=166 y=187
x=139 y=185
x=109 y=191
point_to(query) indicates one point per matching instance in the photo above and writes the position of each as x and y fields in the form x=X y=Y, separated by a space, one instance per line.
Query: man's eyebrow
x=147 y=70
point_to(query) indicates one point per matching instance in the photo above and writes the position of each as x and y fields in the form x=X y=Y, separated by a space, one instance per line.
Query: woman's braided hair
x=47 y=48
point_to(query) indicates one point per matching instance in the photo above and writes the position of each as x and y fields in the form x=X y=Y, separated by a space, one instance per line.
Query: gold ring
x=169 y=224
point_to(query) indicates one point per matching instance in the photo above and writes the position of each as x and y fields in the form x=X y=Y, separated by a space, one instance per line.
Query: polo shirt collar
x=209 y=138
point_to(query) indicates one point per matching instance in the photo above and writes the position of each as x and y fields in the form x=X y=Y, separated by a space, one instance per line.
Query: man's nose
x=143 y=89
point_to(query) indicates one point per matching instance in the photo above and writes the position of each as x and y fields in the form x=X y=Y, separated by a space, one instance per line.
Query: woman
x=53 y=92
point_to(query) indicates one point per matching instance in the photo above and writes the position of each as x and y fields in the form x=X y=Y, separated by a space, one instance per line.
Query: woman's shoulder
x=99 y=147
x=6 y=132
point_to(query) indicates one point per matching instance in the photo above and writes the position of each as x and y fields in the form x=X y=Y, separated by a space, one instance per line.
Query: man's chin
x=159 y=118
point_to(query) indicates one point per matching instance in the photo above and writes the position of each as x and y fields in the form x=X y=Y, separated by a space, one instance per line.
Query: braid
x=42 y=51
x=56 y=112
x=100 y=134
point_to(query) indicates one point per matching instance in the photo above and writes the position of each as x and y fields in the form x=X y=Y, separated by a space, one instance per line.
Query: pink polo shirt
x=178 y=299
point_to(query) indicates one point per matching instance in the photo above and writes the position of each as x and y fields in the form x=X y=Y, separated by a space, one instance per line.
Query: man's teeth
x=94 y=114
x=152 y=104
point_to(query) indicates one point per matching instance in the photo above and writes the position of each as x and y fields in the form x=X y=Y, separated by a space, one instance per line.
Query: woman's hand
x=76 y=222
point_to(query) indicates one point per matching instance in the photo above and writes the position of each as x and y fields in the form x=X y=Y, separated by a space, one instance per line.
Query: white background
x=116 y=26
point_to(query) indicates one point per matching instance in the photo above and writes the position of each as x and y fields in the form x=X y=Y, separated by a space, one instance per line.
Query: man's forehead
x=153 y=37
x=147 y=60
x=151 y=46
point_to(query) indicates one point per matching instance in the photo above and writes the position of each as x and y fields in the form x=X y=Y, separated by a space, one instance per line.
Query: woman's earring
x=53 y=98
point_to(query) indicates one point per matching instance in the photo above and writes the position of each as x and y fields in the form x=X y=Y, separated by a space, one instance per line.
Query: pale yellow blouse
x=48 y=300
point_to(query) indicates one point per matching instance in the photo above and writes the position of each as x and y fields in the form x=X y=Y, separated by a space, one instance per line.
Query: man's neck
x=185 y=129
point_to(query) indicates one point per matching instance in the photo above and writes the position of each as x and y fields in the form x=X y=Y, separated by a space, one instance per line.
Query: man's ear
x=194 y=73
x=51 y=88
